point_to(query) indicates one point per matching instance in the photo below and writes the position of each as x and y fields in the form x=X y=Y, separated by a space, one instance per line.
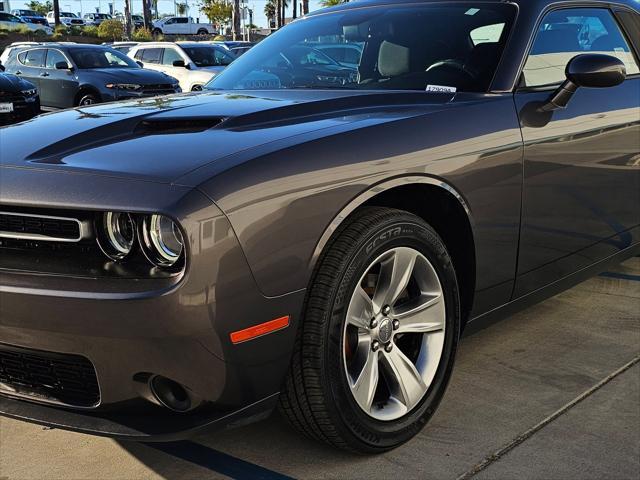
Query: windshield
x=29 y=13
x=209 y=56
x=68 y=15
x=86 y=58
x=423 y=47
x=103 y=16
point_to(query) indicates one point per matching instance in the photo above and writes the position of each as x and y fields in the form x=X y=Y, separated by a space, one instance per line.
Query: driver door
x=58 y=88
x=581 y=193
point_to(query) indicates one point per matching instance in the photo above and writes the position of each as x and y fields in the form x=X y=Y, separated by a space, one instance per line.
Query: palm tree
x=332 y=3
x=56 y=11
x=236 y=19
x=270 y=10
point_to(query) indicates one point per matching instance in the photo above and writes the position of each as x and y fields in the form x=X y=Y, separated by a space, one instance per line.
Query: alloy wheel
x=394 y=333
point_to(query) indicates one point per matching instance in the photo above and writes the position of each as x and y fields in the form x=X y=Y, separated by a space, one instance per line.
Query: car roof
x=535 y=4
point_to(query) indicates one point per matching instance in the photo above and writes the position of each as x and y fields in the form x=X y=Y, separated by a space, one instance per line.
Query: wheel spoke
x=364 y=388
x=360 y=310
x=405 y=379
x=420 y=316
x=395 y=273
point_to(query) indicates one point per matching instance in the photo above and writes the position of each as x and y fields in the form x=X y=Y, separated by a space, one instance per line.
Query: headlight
x=116 y=234
x=162 y=241
x=29 y=93
x=124 y=86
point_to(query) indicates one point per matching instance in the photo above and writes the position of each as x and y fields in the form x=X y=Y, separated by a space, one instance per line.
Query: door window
x=170 y=56
x=566 y=33
x=182 y=20
x=54 y=57
x=33 y=58
x=150 y=55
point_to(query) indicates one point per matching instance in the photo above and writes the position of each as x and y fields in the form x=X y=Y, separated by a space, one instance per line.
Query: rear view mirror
x=589 y=70
x=179 y=63
x=62 y=66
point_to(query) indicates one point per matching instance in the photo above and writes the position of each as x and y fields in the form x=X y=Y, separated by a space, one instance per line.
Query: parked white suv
x=12 y=22
x=182 y=26
x=192 y=63
x=66 y=18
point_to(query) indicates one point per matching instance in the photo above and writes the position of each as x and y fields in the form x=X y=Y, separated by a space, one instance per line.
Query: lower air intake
x=48 y=377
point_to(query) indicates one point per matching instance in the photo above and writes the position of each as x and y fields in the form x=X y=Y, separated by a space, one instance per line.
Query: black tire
x=156 y=32
x=87 y=98
x=202 y=31
x=316 y=398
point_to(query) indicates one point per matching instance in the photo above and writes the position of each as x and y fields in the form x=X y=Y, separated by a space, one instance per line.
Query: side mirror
x=62 y=66
x=590 y=70
x=140 y=63
x=179 y=63
x=2 y=69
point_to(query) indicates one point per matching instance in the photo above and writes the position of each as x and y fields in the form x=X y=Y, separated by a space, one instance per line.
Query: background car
x=347 y=54
x=12 y=22
x=19 y=99
x=240 y=50
x=30 y=16
x=95 y=19
x=69 y=75
x=66 y=18
x=122 y=47
x=182 y=26
x=192 y=63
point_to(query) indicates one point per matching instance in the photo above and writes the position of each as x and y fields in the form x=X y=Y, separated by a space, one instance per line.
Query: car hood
x=163 y=139
x=12 y=84
x=131 y=75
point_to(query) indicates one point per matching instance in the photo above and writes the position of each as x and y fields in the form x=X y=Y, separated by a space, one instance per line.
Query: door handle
x=44 y=74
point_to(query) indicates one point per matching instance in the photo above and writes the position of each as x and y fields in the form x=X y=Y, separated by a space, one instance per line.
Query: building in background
x=4 y=6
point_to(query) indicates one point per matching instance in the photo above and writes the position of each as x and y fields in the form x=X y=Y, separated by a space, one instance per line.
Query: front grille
x=77 y=22
x=14 y=225
x=160 y=89
x=46 y=376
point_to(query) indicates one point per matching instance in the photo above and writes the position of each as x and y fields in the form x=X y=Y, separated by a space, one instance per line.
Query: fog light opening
x=170 y=394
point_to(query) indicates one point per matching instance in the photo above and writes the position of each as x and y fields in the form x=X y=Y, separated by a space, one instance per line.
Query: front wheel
x=88 y=99
x=378 y=339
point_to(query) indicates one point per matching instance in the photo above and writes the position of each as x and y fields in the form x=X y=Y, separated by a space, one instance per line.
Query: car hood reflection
x=164 y=138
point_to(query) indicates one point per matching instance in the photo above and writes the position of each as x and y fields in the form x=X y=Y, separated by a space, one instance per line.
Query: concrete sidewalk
x=510 y=378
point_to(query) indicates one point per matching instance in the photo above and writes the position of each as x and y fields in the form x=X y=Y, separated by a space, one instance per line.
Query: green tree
x=181 y=8
x=41 y=7
x=111 y=30
x=332 y=3
x=270 y=10
x=219 y=12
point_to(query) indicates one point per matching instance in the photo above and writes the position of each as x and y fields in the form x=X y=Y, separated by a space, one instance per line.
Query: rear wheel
x=377 y=344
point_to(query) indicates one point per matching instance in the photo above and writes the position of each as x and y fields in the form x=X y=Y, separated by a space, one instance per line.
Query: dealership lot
x=558 y=385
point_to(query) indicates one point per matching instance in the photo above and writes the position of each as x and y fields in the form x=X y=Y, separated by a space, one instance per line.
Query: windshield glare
x=88 y=58
x=399 y=48
x=208 y=56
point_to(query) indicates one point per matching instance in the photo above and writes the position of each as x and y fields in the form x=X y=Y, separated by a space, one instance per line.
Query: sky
x=164 y=6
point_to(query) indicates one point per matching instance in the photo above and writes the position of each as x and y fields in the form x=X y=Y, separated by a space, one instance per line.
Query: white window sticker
x=441 y=89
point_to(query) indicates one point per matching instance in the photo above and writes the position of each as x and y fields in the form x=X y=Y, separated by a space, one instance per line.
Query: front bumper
x=131 y=330
x=24 y=109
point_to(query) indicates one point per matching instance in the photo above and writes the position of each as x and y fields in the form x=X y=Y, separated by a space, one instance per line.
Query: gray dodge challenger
x=313 y=235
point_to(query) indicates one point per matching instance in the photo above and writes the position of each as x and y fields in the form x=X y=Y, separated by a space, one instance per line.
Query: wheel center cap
x=385 y=331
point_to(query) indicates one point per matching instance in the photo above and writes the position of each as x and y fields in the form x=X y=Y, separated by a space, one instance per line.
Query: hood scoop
x=165 y=126
x=121 y=131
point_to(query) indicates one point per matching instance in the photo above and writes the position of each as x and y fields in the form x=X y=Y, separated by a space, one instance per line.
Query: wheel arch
x=451 y=218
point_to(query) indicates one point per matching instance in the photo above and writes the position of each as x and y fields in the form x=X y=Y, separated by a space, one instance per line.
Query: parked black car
x=299 y=237
x=69 y=75
x=19 y=99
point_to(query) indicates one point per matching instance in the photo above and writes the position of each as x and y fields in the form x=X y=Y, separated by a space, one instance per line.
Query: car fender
x=377 y=189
